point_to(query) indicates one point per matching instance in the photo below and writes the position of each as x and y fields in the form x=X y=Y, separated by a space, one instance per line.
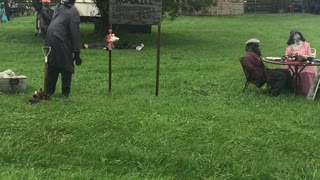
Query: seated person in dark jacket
x=278 y=79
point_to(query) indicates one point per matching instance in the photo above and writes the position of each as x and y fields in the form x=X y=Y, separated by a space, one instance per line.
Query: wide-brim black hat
x=292 y=32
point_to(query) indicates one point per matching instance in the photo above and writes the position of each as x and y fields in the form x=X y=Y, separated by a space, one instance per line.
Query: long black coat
x=64 y=37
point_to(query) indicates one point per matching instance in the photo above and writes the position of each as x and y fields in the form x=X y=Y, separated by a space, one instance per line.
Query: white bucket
x=13 y=85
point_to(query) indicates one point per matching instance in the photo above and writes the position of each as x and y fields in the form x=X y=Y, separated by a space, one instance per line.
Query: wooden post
x=110 y=70
x=158 y=62
x=110 y=61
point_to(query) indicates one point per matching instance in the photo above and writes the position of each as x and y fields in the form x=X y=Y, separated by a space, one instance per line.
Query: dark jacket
x=63 y=36
x=255 y=67
x=46 y=14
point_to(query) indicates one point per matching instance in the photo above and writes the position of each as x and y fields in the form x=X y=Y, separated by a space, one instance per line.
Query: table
x=294 y=68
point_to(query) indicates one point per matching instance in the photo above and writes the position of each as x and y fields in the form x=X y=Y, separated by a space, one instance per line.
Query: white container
x=13 y=85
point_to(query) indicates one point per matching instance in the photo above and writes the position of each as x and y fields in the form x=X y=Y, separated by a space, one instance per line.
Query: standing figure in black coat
x=63 y=36
x=45 y=17
x=7 y=7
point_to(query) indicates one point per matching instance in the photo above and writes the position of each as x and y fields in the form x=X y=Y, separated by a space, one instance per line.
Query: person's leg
x=278 y=82
x=96 y=46
x=8 y=16
x=53 y=75
x=43 y=33
x=288 y=78
x=306 y=80
x=66 y=83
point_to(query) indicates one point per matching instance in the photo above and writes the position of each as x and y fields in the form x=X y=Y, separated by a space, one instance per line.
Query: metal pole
x=110 y=63
x=158 y=62
x=110 y=70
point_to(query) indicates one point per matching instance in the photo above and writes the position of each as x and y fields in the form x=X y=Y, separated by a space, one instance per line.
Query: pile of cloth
x=10 y=74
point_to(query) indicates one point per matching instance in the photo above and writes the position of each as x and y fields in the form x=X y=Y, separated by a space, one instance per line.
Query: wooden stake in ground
x=46 y=51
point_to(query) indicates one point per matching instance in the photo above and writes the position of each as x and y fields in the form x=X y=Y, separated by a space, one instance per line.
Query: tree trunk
x=101 y=27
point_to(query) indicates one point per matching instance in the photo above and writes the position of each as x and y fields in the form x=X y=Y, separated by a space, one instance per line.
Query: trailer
x=88 y=10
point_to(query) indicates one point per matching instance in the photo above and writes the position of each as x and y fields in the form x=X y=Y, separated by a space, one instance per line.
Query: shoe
x=138 y=48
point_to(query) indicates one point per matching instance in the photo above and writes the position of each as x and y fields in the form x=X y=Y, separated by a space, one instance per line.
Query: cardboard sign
x=137 y=12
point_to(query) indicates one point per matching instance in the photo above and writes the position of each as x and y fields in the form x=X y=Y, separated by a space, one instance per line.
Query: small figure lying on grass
x=117 y=45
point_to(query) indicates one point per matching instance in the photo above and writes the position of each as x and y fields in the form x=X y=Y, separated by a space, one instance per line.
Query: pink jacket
x=304 y=50
x=308 y=74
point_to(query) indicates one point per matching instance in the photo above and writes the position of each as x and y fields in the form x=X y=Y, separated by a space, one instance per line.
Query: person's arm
x=247 y=64
x=46 y=14
x=308 y=49
x=74 y=27
x=256 y=72
x=288 y=51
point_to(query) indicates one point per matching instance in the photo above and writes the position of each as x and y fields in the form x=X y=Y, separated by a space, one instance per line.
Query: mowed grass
x=201 y=126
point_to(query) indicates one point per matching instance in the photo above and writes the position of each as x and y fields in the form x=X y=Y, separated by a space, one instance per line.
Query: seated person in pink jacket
x=297 y=45
x=278 y=79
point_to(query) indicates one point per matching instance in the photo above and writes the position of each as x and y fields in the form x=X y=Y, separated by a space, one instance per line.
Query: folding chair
x=313 y=52
x=317 y=87
x=248 y=79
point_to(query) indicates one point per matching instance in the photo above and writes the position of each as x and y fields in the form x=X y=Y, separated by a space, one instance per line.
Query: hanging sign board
x=136 y=12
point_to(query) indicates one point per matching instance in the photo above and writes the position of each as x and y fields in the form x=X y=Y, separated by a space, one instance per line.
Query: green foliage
x=173 y=8
x=196 y=5
x=169 y=7
x=201 y=126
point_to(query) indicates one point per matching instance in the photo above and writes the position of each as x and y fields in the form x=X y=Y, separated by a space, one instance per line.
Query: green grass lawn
x=201 y=126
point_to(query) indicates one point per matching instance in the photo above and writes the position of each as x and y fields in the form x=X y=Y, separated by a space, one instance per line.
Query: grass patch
x=201 y=126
